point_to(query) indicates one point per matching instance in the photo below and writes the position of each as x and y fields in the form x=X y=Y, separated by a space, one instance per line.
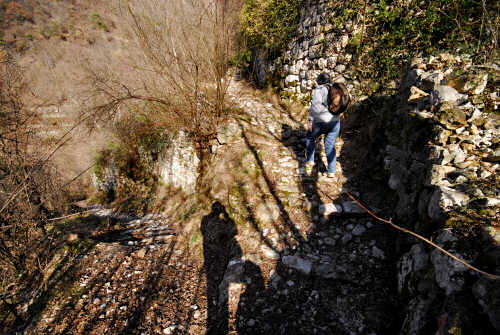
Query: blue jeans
x=331 y=131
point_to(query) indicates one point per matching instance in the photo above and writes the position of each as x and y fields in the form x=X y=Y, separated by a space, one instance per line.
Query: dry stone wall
x=317 y=47
x=442 y=153
x=442 y=141
x=442 y=156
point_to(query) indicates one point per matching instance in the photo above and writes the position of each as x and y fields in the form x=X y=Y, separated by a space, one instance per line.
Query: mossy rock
x=450 y=117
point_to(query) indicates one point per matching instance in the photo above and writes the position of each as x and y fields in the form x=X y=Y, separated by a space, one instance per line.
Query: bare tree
x=186 y=48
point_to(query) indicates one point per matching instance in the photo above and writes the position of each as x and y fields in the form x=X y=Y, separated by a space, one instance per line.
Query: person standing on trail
x=329 y=100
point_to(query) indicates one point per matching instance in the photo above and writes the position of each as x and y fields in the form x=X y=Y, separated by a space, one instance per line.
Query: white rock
x=330 y=208
x=169 y=330
x=447 y=93
x=416 y=93
x=291 y=79
x=322 y=63
x=492 y=202
x=178 y=165
x=332 y=61
x=443 y=199
x=340 y=68
x=480 y=85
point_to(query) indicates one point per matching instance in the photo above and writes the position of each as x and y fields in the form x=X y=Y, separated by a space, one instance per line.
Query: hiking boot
x=309 y=168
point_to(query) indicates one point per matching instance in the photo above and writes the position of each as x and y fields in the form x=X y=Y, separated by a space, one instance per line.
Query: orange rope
x=492 y=276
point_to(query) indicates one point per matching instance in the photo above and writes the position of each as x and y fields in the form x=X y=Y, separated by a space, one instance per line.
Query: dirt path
x=264 y=258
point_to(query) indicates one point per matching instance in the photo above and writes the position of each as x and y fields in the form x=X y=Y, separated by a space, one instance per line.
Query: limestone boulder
x=178 y=164
x=442 y=200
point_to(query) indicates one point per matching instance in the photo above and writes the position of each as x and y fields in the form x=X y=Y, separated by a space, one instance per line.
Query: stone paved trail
x=335 y=273
x=280 y=252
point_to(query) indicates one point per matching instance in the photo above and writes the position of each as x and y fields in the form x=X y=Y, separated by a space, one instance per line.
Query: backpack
x=344 y=97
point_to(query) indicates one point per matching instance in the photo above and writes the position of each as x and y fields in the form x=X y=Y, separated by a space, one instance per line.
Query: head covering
x=323 y=78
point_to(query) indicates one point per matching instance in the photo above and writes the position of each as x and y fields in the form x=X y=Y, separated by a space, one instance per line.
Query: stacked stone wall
x=442 y=154
x=318 y=46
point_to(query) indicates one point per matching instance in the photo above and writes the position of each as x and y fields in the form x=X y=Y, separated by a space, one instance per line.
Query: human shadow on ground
x=224 y=266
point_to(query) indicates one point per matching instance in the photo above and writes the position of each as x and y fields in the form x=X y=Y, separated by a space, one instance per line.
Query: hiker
x=329 y=100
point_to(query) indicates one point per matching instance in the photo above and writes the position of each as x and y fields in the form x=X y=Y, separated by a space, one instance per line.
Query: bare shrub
x=186 y=48
x=30 y=192
x=178 y=78
x=131 y=159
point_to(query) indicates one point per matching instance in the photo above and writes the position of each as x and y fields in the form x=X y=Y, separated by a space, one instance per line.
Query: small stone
x=72 y=237
x=251 y=323
x=340 y=68
x=141 y=253
x=269 y=253
x=351 y=207
x=330 y=208
x=329 y=241
x=169 y=330
x=416 y=94
x=359 y=230
x=377 y=253
x=298 y=263
x=346 y=238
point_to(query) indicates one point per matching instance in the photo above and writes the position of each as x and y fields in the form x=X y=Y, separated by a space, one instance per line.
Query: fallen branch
x=70 y=215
